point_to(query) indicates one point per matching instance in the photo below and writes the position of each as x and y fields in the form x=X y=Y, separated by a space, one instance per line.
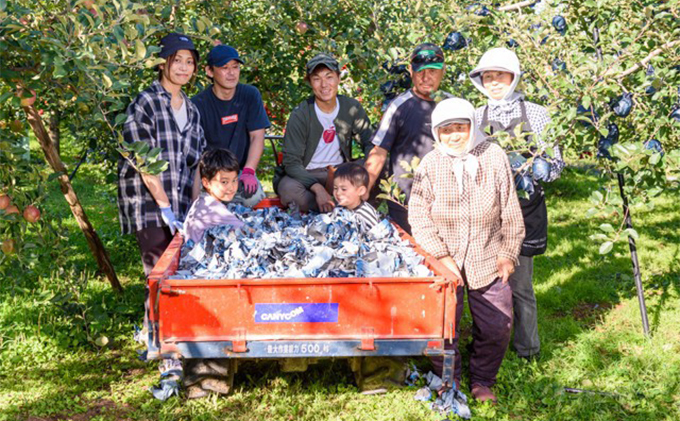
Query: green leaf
x=120 y=118
x=632 y=233
x=4 y=97
x=140 y=49
x=107 y=80
x=157 y=167
x=607 y=228
x=140 y=147
x=606 y=247
x=153 y=153
x=59 y=70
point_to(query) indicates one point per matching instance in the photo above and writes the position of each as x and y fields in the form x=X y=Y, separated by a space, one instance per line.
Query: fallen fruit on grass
x=31 y=214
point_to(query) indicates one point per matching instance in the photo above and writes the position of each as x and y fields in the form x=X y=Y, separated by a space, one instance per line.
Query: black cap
x=172 y=43
x=322 y=59
x=427 y=56
x=222 y=54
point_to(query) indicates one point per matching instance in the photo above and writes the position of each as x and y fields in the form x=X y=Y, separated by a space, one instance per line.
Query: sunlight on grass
x=589 y=325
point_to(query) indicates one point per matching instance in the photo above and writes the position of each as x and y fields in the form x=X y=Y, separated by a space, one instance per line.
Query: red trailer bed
x=298 y=318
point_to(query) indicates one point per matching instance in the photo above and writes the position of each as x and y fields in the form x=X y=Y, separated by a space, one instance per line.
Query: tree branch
x=516 y=6
x=646 y=60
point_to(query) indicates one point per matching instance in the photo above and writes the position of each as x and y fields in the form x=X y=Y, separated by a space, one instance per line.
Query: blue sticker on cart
x=297 y=313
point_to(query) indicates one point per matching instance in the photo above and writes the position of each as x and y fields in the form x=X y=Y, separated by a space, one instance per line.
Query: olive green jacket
x=303 y=132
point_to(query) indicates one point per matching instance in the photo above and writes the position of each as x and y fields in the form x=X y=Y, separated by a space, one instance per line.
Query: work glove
x=248 y=180
x=171 y=221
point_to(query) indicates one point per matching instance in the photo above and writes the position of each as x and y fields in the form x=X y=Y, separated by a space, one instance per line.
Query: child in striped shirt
x=350 y=182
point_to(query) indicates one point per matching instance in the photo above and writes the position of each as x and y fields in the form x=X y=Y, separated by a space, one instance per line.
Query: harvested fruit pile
x=277 y=244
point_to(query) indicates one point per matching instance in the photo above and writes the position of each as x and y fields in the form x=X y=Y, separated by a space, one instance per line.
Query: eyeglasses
x=427 y=57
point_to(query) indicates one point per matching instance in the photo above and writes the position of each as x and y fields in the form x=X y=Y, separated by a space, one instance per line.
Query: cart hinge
x=367 y=339
x=239 y=344
x=167 y=289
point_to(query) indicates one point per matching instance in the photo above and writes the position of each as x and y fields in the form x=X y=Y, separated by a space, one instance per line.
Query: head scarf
x=504 y=60
x=456 y=110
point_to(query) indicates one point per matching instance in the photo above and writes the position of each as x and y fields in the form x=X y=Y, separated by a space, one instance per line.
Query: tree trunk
x=55 y=132
x=52 y=157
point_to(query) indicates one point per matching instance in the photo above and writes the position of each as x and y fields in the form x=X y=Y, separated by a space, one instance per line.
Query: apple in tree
x=26 y=101
x=11 y=209
x=4 y=201
x=302 y=27
x=31 y=214
x=7 y=246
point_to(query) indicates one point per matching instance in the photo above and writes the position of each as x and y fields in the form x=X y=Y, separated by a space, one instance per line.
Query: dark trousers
x=525 y=341
x=292 y=191
x=491 y=309
x=399 y=214
x=152 y=243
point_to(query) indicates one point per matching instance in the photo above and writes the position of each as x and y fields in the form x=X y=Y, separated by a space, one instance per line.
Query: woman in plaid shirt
x=464 y=211
x=152 y=206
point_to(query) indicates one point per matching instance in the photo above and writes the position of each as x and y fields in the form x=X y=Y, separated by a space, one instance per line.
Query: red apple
x=26 y=101
x=11 y=209
x=31 y=214
x=302 y=27
x=7 y=246
x=4 y=201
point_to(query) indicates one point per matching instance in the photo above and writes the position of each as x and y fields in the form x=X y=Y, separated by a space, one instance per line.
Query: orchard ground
x=66 y=349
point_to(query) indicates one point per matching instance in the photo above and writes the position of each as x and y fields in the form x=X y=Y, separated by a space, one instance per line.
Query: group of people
x=462 y=206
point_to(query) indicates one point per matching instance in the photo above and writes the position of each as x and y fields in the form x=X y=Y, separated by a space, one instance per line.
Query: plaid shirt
x=538 y=118
x=150 y=119
x=475 y=227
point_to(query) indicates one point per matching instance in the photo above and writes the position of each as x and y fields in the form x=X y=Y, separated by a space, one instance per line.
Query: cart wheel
x=373 y=373
x=203 y=376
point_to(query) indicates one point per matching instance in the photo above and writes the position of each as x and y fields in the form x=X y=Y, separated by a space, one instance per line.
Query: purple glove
x=249 y=181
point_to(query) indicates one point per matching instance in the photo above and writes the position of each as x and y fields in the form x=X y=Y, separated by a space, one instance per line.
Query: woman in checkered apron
x=464 y=211
x=497 y=76
x=153 y=206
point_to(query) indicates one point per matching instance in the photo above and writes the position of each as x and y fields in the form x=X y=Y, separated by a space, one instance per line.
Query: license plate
x=299 y=348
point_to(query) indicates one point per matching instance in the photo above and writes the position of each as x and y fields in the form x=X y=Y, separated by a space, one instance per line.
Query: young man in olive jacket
x=319 y=137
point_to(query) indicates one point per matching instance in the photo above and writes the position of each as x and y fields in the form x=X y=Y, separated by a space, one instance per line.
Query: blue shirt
x=227 y=124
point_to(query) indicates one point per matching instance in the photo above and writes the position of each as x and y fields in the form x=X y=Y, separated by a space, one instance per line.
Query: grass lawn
x=589 y=323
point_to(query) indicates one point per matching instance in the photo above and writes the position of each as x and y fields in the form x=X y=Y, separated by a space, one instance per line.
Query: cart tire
x=205 y=376
x=373 y=373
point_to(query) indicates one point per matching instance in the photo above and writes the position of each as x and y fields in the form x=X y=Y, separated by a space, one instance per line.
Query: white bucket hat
x=500 y=59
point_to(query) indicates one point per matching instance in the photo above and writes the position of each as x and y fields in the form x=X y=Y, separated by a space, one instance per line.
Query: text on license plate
x=299 y=348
